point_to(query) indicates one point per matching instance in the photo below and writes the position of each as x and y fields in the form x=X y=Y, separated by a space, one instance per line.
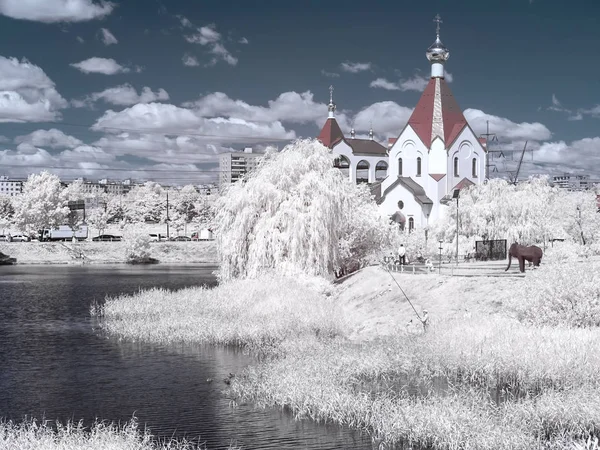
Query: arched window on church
x=456 y=166
x=474 y=167
x=399 y=167
x=411 y=224
x=419 y=166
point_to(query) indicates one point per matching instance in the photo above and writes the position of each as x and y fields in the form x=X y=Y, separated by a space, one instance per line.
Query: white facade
x=436 y=153
x=373 y=167
x=10 y=188
x=234 y=166
x=436 y=177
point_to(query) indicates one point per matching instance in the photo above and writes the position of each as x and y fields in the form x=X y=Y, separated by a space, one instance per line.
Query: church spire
x=331 y=106
x=371 y=131
x=437 y=53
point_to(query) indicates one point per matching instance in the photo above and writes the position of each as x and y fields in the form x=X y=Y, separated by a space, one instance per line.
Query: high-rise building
x=234 y=166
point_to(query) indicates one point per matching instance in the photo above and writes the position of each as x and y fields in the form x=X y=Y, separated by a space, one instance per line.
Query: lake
x=55 y=364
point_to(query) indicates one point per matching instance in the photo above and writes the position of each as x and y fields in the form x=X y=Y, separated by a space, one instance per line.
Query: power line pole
x=487 y=136
x=167 y=215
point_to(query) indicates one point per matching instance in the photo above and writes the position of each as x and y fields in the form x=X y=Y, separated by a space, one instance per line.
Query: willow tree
x=295 y=212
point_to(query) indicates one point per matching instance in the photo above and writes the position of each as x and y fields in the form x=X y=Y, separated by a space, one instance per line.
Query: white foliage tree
x=41 y=203
x=146 y=203
x=7 y=212
x=294 y=213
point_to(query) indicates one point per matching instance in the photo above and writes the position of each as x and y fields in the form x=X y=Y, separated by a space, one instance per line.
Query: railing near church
x=492 y=250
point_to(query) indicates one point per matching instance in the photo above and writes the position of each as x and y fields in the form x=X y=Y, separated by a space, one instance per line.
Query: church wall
x=465 y=147
x=408 y=146
x=438 y=157
x=342 y=148
x=411 y=208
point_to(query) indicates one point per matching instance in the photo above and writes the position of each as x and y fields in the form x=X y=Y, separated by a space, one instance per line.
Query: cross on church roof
x=437 y=19
x=330 y=94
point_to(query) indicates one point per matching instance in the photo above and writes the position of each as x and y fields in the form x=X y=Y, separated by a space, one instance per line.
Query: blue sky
x=156 y=90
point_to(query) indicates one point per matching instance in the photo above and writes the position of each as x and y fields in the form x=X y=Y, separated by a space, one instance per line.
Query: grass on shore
x=34 y=435
x=247 y=313
x=476 y=381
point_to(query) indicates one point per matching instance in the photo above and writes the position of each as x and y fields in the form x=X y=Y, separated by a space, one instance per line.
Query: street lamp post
x=440 y=266
x=455 y=195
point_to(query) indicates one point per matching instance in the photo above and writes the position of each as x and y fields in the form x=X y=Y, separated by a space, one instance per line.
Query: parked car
x=20 y=238
x=106 y=237
x=157 y=237
x=181 y=238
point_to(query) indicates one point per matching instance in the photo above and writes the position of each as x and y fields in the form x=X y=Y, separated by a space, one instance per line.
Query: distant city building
x=9 y=187
x=574 y=182
x=106 y=186
x=234 y=166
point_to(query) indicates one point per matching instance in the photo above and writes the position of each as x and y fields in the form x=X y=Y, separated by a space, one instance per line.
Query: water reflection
x=54 y=365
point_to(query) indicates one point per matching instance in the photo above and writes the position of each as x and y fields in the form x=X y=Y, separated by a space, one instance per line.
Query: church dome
x=437 y=52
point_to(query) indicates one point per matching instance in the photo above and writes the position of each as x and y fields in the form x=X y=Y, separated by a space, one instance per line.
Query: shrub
x=563 y=291
x=138 y=248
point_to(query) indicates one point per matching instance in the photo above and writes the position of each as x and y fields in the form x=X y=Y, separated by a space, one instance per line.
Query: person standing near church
x=402 y=255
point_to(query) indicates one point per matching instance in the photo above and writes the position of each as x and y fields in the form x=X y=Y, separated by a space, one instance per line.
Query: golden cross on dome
x=437 y=19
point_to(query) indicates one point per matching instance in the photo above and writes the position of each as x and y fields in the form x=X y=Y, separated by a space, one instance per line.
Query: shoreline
x=353 y=353
x=97 y=253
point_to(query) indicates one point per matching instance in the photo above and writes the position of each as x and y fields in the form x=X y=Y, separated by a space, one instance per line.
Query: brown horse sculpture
x=532 y=254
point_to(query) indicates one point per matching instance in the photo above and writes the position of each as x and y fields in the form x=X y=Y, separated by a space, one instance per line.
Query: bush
x=563 y=291
x=138 y=249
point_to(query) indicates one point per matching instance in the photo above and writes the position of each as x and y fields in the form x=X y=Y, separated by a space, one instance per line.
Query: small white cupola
x=437 y=53
x=331 y=106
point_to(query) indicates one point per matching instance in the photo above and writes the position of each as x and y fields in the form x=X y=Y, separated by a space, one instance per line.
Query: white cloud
x=288 y=107
x=388 y=118
x=209 y=37
x=107 y=37
x=52 y=138
x=27 y=94
x=104 y=66
x=243 y=41
x=417 y=83
x=4 y=139
x=580 y=156
x=355 y=67
x=50 y=11
x=190 y=61
x=182 y=149
x=506 y=129
x=123 y=95
x=384 y=84
x=329 y=74
x=185 y=22
x=171 y=119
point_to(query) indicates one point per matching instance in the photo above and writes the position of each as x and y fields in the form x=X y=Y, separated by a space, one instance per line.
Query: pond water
x=55 y=365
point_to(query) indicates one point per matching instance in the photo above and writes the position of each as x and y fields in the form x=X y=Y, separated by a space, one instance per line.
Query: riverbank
x=200 y=252
x=74 y=436
x=356 y=354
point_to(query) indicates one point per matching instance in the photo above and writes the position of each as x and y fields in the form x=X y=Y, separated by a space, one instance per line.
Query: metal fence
x=490 y=250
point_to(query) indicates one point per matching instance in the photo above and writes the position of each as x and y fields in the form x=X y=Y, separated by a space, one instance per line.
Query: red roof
x=465 y=182
x=330 y=133
x=453 y=119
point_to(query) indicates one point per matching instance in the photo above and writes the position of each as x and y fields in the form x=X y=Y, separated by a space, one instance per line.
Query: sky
x=156 y=89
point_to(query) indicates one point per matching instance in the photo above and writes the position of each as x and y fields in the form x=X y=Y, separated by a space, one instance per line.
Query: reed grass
x=428 y=390
x=43 y=435
x=258 y=313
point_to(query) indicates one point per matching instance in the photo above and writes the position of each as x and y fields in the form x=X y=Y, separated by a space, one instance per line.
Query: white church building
x=435 y=154
x=365 y=160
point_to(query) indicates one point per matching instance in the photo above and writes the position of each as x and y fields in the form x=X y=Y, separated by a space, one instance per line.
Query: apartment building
x=574 y=182
x=234 y=166
x=9 y=187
